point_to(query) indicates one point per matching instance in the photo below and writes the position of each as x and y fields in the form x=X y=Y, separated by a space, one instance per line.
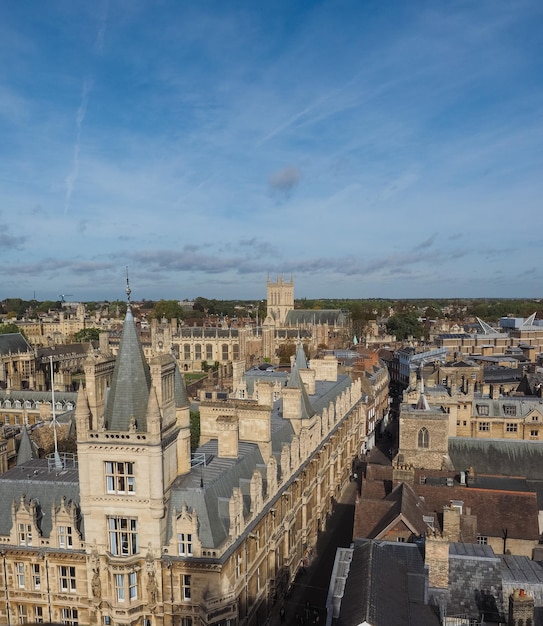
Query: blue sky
x=368 y=148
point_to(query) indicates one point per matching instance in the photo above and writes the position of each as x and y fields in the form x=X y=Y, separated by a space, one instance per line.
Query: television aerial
x=63 y=296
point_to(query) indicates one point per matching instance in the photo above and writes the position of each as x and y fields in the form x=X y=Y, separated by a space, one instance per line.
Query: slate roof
x=13 y=343
x=35 y=480
x=498 y=456
x=131 y=382
x=332 y=317
x=385 y=586
x=219 y=477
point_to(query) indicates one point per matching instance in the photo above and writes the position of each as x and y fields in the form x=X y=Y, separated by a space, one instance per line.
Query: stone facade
x=135 y=532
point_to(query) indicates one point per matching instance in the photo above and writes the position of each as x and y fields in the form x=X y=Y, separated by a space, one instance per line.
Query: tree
x=168 y=309
x=10 y=328
x=87 y=334
x=194 y=430
x=285 y=351
x=405 y=325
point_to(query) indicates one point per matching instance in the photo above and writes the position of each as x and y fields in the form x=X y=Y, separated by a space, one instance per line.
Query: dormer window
x=509 y=409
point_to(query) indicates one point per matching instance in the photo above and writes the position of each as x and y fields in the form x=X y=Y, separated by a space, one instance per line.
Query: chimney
x=451 y=522
x=521 y=608
x=437 y=560
x=228 y=436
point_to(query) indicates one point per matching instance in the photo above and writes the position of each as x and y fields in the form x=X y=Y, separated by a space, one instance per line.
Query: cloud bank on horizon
x=369 y=149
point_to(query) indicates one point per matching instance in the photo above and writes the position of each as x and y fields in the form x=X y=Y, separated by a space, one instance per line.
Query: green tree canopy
x=87 y=334
x=168 y=309
x=10 y=328
x=404 y=325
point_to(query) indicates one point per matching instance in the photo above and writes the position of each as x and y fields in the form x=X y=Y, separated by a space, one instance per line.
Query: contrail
x=80 y=117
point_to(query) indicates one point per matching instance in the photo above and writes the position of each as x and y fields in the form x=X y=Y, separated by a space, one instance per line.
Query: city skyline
x=368 y=149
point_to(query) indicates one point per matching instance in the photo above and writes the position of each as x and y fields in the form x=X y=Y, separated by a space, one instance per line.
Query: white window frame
x=20 y=573
x=186 y=595
x=123 y=535
x=36 y=576
x=69 y=616
x=184 y=543
x=120 y=477
x=65 y=537
x=67 y=578
x=25 y=534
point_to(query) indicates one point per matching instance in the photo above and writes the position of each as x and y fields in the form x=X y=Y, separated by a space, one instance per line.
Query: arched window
x=186 y=352
x=424 y=438
x=225 y=352
x=198 y=352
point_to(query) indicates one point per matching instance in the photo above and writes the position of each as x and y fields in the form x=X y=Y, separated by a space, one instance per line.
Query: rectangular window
x=69 y=617
x=186 y=621
x=484 y=426
x=511 y=427
x=535 y=418
x=107 y=620
x=133 y=586
x=185 y=587
x=184 y=541
x=119 y=587
x=534 y=433
x=36 y=576
x=20 y=570
x=123 y=536
x=509 y=409
x=67 y=578
x=120 y=477
x=65 y=537
x=25 y=534
x=482 y=540
x=38 y=614
x=482 y=409
x=21 y=611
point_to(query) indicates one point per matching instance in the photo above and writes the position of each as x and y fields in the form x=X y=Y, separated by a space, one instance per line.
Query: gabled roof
x=400 y=506
x=131 y=382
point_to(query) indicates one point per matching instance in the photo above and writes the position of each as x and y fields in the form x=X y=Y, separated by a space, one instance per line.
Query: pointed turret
x=26 y=448
x=295 y=382
x=131 y=383
x=82 y=411
x=180 y=390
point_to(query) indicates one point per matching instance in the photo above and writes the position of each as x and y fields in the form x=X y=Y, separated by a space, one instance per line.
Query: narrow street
x=310 y=590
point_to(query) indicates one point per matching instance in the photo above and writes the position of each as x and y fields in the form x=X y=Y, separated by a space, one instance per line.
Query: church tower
x=280 y=295
x=133 y=436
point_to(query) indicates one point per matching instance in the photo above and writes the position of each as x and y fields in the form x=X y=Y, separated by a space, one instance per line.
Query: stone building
x=136 y=530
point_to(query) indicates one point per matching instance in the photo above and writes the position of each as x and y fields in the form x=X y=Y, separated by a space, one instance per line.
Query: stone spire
x=126 y=406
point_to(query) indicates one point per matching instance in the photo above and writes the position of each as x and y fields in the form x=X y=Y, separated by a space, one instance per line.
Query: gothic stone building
x=135 y=531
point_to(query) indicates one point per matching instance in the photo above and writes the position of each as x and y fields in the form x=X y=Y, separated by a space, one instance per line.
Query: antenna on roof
x=58 y=462
x=128 y=290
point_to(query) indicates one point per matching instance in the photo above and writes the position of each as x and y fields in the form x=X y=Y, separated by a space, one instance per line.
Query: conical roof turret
x=131 y=382
x=26 y=448
x=180 y=390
